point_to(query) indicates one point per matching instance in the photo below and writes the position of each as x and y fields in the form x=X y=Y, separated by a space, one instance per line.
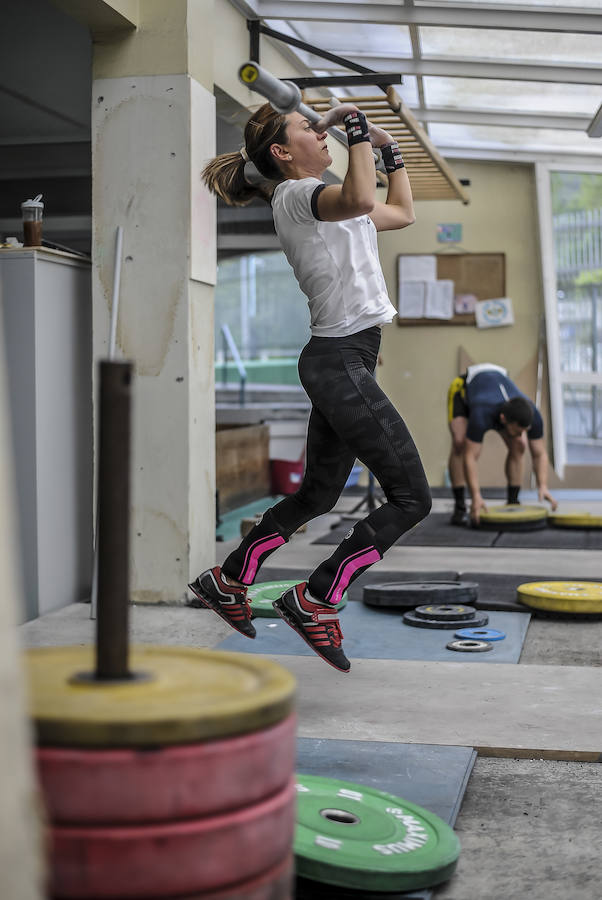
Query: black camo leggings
x=350 y=417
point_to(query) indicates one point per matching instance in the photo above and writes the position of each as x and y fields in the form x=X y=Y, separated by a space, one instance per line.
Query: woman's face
x=307 y=147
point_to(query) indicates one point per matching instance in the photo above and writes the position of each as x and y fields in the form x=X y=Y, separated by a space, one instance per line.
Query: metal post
x=113 y=522
x=254 y=26
x=111 y=355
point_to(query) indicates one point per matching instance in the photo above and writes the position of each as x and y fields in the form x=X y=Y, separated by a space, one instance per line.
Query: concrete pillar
x=153 y=127
x=21 y=857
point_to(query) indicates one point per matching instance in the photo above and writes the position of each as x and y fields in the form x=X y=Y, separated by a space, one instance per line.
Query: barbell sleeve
x=285 y=98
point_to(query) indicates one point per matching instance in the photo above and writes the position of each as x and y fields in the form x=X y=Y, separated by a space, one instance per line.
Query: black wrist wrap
x=356 y=127
x=392 y=157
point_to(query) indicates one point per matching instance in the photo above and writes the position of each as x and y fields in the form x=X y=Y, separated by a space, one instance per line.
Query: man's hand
x=477 y=507
x=544 y=494
x=334 y=117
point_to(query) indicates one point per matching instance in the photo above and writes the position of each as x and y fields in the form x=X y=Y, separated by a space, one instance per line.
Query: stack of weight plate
x=514 y=517
x=576 y=519
x=362 y=842
x=451 y=616
x=178 y=783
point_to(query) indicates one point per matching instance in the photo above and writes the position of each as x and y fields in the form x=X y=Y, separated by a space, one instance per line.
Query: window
x=577 y=233
x=258 y=299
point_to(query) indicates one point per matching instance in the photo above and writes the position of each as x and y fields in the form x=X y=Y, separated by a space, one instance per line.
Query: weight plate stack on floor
x=575 y=520
x=409 y=594
x=445 y=616
x=151 y=782
x=261 y=597
x=581 y=598
x=355 y=837
x=514 y=517
x=468 y=645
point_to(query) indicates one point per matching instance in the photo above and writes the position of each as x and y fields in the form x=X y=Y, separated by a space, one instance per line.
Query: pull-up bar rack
x=431 y=176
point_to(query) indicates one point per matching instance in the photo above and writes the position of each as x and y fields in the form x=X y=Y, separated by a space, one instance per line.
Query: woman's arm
x=398 y=209
x=356 y=195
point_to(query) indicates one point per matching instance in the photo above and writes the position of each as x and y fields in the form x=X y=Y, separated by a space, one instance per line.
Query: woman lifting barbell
x=328 y=234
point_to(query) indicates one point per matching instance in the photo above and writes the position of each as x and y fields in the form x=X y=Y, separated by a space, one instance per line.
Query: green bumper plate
x=354 y=836
x=261 y=596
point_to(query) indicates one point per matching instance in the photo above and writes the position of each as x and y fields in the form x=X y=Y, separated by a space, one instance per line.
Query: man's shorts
x=456 y=399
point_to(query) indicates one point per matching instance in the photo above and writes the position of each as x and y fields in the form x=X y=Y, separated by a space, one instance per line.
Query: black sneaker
x=212 y=591
x=318 y=625
x=459 y=517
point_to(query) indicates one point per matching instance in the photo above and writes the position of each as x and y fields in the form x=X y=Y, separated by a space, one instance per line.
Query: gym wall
x=419 y=362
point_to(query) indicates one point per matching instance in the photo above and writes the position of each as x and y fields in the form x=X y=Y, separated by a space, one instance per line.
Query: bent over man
x=484 y=399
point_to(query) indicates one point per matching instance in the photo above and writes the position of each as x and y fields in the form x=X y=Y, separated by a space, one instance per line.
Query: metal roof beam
x=567 y=122
x=506 y=16
x=466 y=67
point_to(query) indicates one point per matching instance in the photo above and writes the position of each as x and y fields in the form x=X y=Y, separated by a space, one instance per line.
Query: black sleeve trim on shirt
x=314 y=201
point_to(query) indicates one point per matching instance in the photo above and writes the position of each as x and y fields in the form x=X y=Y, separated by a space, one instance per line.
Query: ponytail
x=225 y=175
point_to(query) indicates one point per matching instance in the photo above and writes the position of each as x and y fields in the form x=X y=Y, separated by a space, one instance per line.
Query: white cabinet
x=47 y=311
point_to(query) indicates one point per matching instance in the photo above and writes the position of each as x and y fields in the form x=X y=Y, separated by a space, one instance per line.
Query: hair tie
x=244 y=154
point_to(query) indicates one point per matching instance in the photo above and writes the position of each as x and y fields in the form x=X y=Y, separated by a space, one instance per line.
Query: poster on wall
x=494 y=313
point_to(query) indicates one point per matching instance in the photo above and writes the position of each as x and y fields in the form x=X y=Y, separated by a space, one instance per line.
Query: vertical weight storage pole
x=113 y=521
x=111 y=355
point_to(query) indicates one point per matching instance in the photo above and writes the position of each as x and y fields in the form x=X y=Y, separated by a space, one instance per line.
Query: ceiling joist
x=466 y=67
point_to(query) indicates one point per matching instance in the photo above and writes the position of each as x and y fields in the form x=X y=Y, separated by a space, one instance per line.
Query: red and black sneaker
x=212 y=591
x=317 y=624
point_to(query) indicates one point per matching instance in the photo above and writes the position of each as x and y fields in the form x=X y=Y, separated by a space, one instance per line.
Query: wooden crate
x=242 y=464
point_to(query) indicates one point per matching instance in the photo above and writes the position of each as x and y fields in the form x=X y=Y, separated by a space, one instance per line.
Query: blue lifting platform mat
x=382 y=634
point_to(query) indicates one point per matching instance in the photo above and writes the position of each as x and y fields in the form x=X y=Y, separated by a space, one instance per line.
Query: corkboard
x=481 y=274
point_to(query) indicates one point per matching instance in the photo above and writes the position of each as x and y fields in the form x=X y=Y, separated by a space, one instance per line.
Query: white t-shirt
x=335 y=263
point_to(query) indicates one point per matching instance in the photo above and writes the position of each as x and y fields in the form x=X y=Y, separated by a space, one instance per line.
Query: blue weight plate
x=480 y=634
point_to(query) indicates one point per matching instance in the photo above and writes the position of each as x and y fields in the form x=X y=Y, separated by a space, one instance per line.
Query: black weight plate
x=469 y=646
x=445 y=611
x=408 y=594
x=410 y=618
x=313 y=890
x=529 y=525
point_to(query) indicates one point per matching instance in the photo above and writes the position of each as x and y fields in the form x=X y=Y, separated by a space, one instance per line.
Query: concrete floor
x=528 y=827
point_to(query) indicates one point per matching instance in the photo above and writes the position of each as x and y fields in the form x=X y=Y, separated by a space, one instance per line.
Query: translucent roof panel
x=523 y=96
x=568 y=4
x=534 y=46
x=532 y=140
x=541 y=77
x=367 y=38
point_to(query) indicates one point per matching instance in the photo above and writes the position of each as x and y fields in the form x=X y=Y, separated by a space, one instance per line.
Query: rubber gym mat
x=382 y=634
x=434 y=531
x=434 y=777
x=552 y=539
x=497 y=591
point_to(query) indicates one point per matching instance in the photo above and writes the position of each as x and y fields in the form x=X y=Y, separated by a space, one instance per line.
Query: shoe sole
x=292 y=624
x=208 y=604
